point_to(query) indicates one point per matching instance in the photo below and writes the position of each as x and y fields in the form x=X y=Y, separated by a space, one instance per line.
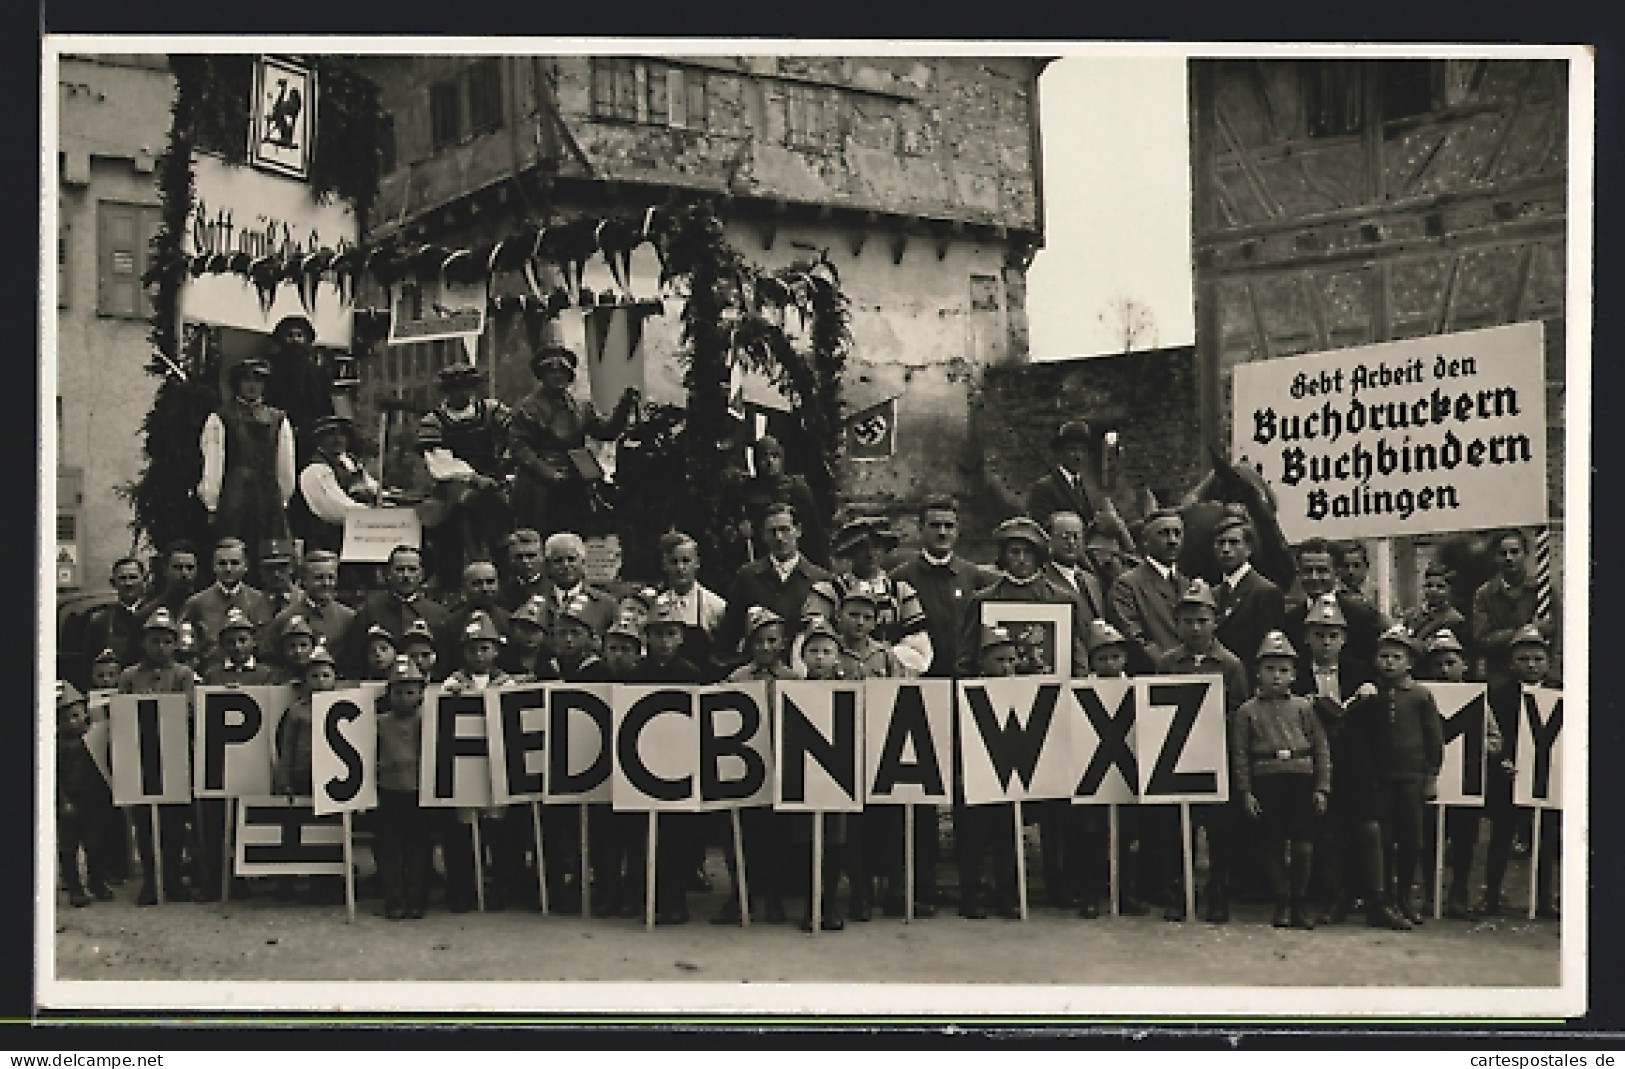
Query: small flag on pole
x=872 y=433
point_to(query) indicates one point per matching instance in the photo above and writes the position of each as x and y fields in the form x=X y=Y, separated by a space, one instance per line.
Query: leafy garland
x=210 y=113
x=734 y=311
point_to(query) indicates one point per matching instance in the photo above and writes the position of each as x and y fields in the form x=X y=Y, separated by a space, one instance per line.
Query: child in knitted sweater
x=1283 y=773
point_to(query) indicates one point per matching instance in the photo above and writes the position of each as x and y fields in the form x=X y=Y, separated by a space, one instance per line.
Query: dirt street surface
x=262 y=939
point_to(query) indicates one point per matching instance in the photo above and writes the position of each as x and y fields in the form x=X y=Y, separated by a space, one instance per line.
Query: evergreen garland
x=210 y=113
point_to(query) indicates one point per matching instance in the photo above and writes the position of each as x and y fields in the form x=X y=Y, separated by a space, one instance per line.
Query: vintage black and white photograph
x=938 y=529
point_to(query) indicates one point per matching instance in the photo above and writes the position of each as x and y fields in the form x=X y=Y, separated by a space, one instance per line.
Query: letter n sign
x=818 y=746
x=1180 y=739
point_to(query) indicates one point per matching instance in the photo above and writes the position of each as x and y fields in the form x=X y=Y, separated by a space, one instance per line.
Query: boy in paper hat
x=83 y=802
x=159 y=673
x=1283 y=776
x=402 y=825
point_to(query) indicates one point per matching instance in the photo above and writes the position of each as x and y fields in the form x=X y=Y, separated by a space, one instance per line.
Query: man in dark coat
x=394 y=609
x=1143 y=598
x=1317 y=573
x=118 y=626
x=1073 y=485
x=464 y=442
x=1250 y=606
x=781 y=581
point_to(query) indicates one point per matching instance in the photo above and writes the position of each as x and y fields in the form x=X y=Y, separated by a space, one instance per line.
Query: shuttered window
x=485 y=96
x=123 y=241
x=445 y=116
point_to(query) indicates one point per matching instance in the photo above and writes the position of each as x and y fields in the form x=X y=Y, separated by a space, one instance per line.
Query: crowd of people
x=1333 y=746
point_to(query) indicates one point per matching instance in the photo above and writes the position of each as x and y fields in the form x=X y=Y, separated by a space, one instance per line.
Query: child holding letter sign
x=291 y=774
x=1530 y=654
x=1283 y=775
x=403 y=832
x=158 y=673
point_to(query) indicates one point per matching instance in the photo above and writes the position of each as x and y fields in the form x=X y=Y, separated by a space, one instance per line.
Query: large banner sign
x=908 y=740
x=1180 y=734
x=1539 y=779
x=1462 y=712
x=242 y=212
x=1428 y=435
x=149 y=749
x=344 y=749
x=235 y=728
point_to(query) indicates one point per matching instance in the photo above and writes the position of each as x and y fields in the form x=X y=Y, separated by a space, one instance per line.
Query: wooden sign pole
x=1438 y=866
x=649 y=872
x=349 y=871
x=541 y=860
x=584 y=866
x=739 y=869
x=1189 y=861
x=1534 y=862
x=157 y=853
x=1111 y=854
x=479 y=865
x=908 y=864
x=1021 y=863
x=817 y=872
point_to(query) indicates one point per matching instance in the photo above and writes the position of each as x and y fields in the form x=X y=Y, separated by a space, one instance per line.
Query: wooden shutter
x=64 y=278
x=119 y=260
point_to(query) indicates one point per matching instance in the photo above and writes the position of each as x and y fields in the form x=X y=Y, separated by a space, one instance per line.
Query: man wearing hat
x=276 y=573
x=1073 y=484
x=464 y=443
x=299 y=385
x=781 y=581
x=1142 y=599
x=1250 y=606
x=1023 y=550
x=334 y=483
x=554 y=481
x=248 y=460
x=158 y=673
x=316 y=603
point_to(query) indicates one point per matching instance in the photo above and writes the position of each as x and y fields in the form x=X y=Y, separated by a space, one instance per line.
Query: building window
x=445 y=117
x=63 y=230
x=388 y=151
x=123 y=242
x=615 y=88
x=1411 y=87
x=1332 y=97
x=810 y=117
x=485 y=96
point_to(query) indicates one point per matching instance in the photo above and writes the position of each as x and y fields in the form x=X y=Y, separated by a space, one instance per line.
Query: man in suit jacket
x=1067 y=567
x=1317 y=574
x=393 y=609
x=1250 y=606
x=1071 y=486
x=328 y=617
x=1143 y=598
x=206 y=610
x=943 y=580
x=780 y=581
x=564 y=579
x=118 y=627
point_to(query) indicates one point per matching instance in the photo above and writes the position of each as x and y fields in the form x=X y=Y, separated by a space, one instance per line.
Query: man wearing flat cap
x=334 y=483
x=299 y=385
x=1072 y=484
x=248 y=460
x=552 y=491
x=464 y=441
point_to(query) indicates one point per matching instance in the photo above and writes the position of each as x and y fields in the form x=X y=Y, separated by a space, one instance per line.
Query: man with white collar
x=524 y=578
x=393 y=608
x=248 y=460
x=780 y=581
x=464 y=442
x=1142 y=599
x=328 y=617
x=1067 y=566
x=206 y=610
x=943 y=581
x=118 y=626
x=334 y=483
x=699 y=608
x=1250 y=606
x=564 y=567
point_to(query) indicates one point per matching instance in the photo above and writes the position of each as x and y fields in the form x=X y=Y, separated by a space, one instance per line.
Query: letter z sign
x=1180 y=739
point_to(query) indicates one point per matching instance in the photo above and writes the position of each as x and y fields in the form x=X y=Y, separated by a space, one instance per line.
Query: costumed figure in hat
x=555 y=483
x=464 y=442
x=334 y=483
x=1073 y=484
x=773 y=483
x=248 y=461
x=299 y=385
